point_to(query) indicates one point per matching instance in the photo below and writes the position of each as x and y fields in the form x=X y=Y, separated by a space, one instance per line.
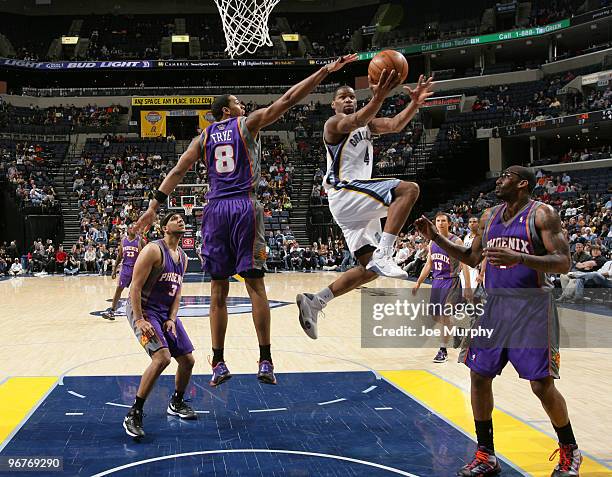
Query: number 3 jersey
x=164 y=282
x=233 y=159
x=350 y=159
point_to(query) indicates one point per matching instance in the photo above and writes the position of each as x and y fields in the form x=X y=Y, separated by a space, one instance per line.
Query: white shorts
x=473 y=274
x=358 y=206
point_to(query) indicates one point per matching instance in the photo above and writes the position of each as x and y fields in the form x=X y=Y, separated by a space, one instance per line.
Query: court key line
x=253 y=451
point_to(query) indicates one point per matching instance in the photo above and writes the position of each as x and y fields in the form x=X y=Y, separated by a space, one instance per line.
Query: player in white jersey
x=357 y=201
x=467 y=241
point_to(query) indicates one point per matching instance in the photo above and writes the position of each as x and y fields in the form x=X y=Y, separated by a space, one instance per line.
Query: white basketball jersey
x=351 y=159
x=467 y=241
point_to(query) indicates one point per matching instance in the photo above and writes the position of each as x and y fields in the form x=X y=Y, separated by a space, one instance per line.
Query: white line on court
x=331 y=402
x=253 y=451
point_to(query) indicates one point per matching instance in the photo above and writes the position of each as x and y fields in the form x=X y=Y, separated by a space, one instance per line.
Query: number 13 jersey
x=350 y=159
x=233 y=159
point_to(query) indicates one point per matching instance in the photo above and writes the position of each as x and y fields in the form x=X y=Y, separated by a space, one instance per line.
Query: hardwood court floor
x=49 y=330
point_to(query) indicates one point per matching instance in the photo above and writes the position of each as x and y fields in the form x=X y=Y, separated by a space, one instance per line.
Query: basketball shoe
x=569 y=461
x=383 y=264
x=266 y=372
x=484 y=464
x=133 y=423
x=441 y=356
x=109 y=314
x=220 y=374
x=309 y=307
x=178 y=407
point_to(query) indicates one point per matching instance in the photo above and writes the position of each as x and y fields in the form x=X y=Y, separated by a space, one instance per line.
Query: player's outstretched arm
x=174 y=177
x=147 y=259
x=263 y=117
x=557 y=260
x=398 y=122
x=471 y=256
x=341 y=124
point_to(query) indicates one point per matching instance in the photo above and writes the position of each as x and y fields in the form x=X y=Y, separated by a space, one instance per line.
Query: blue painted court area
x=311 y=424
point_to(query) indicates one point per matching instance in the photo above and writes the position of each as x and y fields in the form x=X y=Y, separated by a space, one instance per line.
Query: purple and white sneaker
x=266 y=372
x=441 y=357
x=220 y=374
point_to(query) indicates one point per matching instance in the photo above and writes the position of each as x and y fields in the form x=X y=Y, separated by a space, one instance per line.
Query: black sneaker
x=133 y=423
x=181 y=409
x=109 y=315
x=484 y=464
x=441 y=356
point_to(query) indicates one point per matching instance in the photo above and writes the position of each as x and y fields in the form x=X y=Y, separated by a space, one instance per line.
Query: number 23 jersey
x=233 y=159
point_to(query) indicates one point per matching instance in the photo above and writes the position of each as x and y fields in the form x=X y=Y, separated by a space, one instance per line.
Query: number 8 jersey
x=233 y=159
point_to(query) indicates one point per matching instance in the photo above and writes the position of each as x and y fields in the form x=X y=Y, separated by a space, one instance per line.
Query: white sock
x=324 y=296
x=387 y=242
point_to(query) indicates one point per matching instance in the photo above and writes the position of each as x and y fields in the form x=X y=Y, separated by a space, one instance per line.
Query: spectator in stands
x=584 y=271
x=90 y=259
x=309 y=260
x=61 y=258
x=418 y=259
x=16 y=268
x=72 y=265
x=579 y=258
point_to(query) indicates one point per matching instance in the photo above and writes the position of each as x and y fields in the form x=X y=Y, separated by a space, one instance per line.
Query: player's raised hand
x=386 y=83
x=422 y=91
x=425 y=227
x=145 y=220
x=341 y=62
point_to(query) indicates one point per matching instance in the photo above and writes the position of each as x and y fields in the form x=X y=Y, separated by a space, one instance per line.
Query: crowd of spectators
x=285 y=253
x=62 y=115
x=66 y=117
x=576 y=155
x=114 y=179
x=26 y=167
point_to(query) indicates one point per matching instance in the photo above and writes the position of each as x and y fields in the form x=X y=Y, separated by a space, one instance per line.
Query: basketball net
x=245 y=24
x=188 y=208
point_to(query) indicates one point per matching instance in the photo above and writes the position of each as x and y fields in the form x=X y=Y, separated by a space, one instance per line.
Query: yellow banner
x=173 y=101
x=205 y=118
x=152 y=123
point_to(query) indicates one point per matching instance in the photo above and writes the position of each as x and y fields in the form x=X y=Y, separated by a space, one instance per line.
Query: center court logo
x=199 y=306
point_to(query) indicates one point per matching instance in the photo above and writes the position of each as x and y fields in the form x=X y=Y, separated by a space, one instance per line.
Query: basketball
x=389 y=60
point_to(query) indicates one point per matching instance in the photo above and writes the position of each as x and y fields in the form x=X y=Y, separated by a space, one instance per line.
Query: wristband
x=160 y=196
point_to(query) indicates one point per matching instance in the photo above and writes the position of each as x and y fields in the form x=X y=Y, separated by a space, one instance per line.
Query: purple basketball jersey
x=164 y=282
x=443 y=266
x=232 y=159
x=130 y=251
x=519 y=234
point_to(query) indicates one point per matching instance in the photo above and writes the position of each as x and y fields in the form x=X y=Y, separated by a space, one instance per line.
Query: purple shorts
x=445 y=291
x=125 y=277
x=525 y=333
x=232 y=237
x=178 y=345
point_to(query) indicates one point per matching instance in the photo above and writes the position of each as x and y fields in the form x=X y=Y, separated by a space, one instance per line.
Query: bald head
x=525 y=174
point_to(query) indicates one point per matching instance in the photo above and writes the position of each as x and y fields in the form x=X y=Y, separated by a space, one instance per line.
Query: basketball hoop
x=245 y=24
x=188 y=208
